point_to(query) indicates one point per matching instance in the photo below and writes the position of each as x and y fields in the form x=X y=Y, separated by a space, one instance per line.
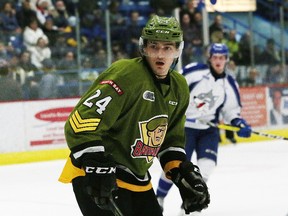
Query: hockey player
x=133 y=112
x=211 y=91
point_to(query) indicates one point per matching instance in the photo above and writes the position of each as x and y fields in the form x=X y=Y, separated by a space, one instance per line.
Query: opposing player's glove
x=245 y=129
x=193 y=189
x=100 y=178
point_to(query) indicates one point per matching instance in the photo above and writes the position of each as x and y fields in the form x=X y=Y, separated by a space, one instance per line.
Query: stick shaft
x=114 y=208
x=234 y=128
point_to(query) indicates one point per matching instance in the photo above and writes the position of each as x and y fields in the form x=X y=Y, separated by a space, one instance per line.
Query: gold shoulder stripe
x=79 y=124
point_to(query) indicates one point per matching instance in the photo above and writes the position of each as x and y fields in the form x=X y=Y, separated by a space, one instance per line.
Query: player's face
x=160 y=56
x=218 y=63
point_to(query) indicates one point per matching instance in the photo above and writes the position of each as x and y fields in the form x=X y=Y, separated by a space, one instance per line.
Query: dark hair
x=4 y=70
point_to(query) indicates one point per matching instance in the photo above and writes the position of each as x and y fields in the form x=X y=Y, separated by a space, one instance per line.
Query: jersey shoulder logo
x=149 y=95
x=152 y=132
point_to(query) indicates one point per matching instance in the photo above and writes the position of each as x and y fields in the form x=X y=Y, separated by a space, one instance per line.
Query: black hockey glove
x=193 y=189
x=100 y=178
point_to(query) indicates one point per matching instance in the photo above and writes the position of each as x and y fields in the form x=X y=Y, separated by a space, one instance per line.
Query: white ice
x=250 y=180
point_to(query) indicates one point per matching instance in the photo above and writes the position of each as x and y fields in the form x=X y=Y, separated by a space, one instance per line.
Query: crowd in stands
x=39 y=44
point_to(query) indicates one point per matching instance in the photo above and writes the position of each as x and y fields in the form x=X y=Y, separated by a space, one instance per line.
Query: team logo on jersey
x=152 y=133
x=148 y=95
x=204 y=101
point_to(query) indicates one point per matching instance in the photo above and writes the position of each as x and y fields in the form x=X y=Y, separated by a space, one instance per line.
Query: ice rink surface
x=251 y=179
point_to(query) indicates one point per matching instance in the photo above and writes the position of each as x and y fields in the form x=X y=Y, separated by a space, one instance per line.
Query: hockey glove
x=100 y=178
x=193 y=189
x=245 y=129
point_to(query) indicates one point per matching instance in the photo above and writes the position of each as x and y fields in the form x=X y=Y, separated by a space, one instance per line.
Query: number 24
x=101 y=104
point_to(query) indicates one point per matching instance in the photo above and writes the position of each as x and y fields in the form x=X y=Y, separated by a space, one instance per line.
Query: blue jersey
x=210 y=96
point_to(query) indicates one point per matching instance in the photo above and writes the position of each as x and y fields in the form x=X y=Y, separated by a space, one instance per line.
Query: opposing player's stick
x=234 y=128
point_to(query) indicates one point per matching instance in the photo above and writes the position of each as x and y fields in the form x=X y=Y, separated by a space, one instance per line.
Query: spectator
x=27 y=74
x=8 y=22
x=48 y=85
x=118 y=51
x=198 y=23
x=32 y=33
x=165 y=7
x=88 y=74
x=117 y=21
x=276 y=115
x=251 y=79
x=188 y=35
x=270 y=54
x=61 y=15
x=101 y=59
x=189 y=7
x=51 y=31
x=87 y=7
x=232 y=69
x=92 y=28
x=68 y=67
x=244 y=49
x=275 y=74
x=34 y=4
x=44 y=10
x=3 y=51
x=25 y=13
x=10 y=89
x=61 y=47
x=197 y=40
x=40 y=52
x=216 y=28
x=133 y=29
x=233 y=45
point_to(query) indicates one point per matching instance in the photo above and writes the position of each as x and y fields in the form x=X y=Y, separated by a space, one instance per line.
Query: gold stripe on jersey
x=132 y=187
x=79 y=124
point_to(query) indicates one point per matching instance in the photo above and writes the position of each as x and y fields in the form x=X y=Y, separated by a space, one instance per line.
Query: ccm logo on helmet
x=162 y=31
x=100 y=170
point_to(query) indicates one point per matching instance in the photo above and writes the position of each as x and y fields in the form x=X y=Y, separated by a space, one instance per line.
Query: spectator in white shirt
x=40 y=52
x=32 y=33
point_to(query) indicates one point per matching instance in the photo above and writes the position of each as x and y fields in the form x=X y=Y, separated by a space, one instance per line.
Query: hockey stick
x=234 y=128
x=114 y=208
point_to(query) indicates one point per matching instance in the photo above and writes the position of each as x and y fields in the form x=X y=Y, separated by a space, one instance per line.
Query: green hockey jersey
x=127 y=112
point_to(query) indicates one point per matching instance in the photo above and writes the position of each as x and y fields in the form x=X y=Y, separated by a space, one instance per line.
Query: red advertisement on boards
x=254 y=108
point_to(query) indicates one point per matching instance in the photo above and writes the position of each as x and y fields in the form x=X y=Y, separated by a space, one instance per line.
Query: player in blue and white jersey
x=212 y=91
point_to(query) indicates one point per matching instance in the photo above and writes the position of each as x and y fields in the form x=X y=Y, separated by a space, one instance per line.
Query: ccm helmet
x=219 y=48
x=163 y=29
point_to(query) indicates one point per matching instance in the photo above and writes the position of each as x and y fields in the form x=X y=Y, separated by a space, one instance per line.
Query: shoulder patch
x=113 y=85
